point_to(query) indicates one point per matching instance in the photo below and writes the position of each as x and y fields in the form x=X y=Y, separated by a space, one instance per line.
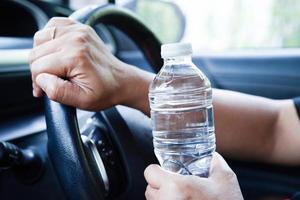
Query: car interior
x=52 y=151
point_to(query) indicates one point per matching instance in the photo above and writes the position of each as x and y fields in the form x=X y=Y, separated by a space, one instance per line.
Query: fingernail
x=40 y=81
x=34 y=93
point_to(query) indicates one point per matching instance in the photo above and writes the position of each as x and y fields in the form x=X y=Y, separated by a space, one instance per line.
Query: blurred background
x=219 y=25
x=215 y=25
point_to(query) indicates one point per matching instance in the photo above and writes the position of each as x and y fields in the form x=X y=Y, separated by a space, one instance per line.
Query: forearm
x=247 y=127
x=286 y=146
x=255 y=128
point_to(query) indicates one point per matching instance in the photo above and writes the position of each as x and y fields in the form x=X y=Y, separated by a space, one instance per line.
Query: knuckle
x=79 y=53
x=37 y=35
x=54 y=20
x=79 y=56
x=79 y=59
x=83 y=50
x=59 y=21
x=81 y=38
x=72 y=21
x=85 y=28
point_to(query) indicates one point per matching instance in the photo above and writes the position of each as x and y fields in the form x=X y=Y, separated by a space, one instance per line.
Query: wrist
x=133 y=88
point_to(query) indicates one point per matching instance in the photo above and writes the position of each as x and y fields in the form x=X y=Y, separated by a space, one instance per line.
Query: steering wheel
x=108 y=160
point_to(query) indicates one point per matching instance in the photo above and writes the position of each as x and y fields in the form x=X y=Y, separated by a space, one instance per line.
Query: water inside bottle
x=182 y=120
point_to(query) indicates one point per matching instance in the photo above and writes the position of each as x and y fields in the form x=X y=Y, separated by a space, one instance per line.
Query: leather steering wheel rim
x=76 y=176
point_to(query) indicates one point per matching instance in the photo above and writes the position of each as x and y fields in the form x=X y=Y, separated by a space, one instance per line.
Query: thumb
x=59 y=90
x=155 y=176
x=219 y=167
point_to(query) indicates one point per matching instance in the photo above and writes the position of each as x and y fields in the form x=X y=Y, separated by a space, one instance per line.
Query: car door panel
x=269 y=74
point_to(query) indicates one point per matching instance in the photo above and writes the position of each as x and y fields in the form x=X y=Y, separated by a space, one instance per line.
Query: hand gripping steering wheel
x=78 y=160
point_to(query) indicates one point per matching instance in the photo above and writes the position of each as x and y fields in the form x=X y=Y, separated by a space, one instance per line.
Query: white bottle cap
x=176 y=49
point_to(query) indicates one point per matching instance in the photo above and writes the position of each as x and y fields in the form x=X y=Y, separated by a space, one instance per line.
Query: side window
x=77 y=4
x=223 y=25
x=164 y=18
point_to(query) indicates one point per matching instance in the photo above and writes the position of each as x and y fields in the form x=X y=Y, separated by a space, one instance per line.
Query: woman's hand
x=221 y=184
x=72 y=65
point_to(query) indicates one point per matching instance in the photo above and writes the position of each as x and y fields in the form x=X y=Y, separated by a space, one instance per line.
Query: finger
x=51 y=29
x=52 y=33
x=60 y=21
x=37 y=91
x=151 y=193
x=60 y=90
x=46 y=48
x=219 y=167
x=43 y=36
x=52 y=64
x=155 y=175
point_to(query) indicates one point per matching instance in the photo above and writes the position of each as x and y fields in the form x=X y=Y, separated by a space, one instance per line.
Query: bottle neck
x=178 y=59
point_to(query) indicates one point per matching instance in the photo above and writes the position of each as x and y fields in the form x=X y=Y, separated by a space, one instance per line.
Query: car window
x=76 y=4
x=225 y=25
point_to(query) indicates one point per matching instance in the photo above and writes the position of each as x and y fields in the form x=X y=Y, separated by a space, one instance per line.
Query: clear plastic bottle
x=180 y=99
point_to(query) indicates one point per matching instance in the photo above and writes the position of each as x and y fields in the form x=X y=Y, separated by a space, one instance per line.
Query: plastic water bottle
x=180 y=99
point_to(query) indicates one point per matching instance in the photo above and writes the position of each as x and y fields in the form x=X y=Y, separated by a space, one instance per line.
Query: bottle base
x=199 y=167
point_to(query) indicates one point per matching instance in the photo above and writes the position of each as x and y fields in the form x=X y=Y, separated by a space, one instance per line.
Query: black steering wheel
x=109 y=159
